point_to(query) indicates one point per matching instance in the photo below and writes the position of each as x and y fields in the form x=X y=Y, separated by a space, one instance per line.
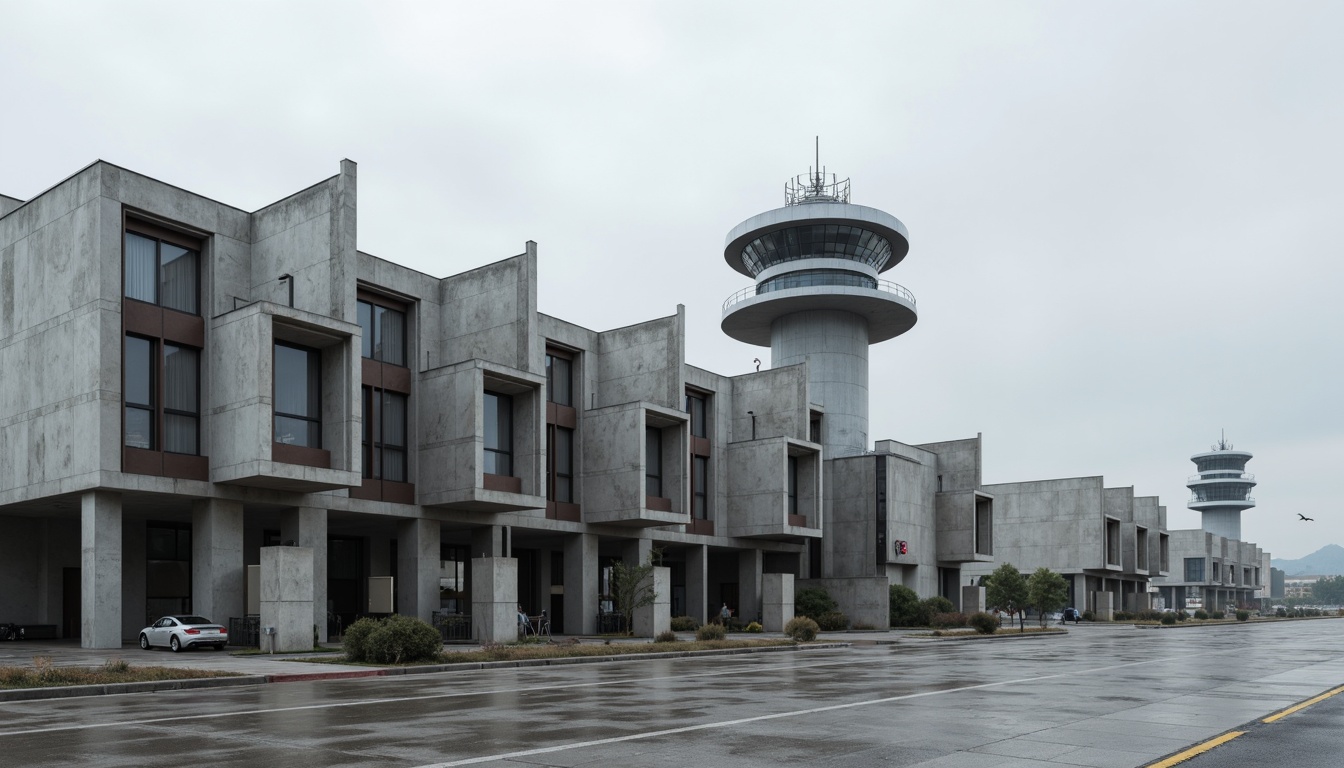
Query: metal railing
x=885 y=286
x=1233 y=478
x=814 y=188
x=1195 y=499
x=245 y=631
x=610 y=623
x=453 y=627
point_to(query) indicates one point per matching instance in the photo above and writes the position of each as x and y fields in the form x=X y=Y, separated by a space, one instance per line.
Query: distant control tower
x=1221 y=489
x=817 y=297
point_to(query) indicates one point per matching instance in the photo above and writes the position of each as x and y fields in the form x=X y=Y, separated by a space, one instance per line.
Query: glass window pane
x=564 y=490
x=139 y=372
x=701 y=474
x=181 y=378
x=498 y=422
x=394 y=420
x=394 y=465
x=366 y=328
x=139 y=428
x=140 y=267
x=299 y=432
x=178 y=278
x=180 y=434
x=297 y=381
x=561 y=383
x=391 y=346
x=564 y=451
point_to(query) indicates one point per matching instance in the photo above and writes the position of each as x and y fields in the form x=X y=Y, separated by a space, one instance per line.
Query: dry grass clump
x=45 y=674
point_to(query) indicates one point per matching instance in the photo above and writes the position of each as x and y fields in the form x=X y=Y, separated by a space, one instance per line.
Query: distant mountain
x=1326 y=561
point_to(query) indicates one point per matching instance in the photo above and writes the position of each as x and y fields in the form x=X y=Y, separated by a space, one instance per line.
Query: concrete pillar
x=656 y=617
x=636 y=551
x=697 y=582
x=217 y=571
x=1080 y=592
x=1105 y=605
x=100 y=569
x=418 y=568
x=489 y=541
x=1143 y=601
x=581 y=584
x=776 y=601
x=287 y=598
x=972 y=599
x=307 y=527
x=749 y=563
x=494 y=600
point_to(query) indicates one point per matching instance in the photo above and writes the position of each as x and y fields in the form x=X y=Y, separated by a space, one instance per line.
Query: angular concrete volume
x=776 y=601
x=972 y=599
x=656 y=617
x=494 y=599
x=287 y=598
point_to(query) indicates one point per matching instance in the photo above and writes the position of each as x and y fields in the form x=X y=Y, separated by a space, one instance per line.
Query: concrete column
x=656 y=617
x=581 y=584
x=636 y=551
x=1143 y=601
x=697 y=582
x=1105 y=605
x=749 y=564
x=1080 y=592
x=100 y=569
x=217 y=571
x=287 y=598
x=489 y=541
x=834 y=344
x=972 y=599
x=494 y=600
x=418 y=568
x=307 y=527
x=776 y=601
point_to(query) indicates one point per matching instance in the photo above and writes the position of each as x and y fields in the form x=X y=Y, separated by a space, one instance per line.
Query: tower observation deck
x=1220 y=492
x=818 y=298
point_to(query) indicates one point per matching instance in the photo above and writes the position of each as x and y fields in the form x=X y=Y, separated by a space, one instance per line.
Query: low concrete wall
x=972 y=599
x=776 y=601
x=494 y=599
x=656 y=617
x=287 y=598
x=865 y=600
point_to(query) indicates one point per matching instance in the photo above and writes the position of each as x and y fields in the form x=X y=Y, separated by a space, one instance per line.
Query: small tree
x=632 y=587
x=1046 y=591
x=1007 y=591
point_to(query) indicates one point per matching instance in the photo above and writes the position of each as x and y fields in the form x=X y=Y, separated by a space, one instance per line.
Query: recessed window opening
x=560 y=455
x=793 y=485
x=161 y=272
x=384 y=439
x=498 y=434
x=384 y=333
x=653 y=461
x=559 y=380
x=298 y=395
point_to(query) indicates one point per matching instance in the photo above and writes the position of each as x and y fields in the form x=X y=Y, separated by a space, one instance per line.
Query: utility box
x=382 y=590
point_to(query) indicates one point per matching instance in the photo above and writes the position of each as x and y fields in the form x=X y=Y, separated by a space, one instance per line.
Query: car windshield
x=194 y=620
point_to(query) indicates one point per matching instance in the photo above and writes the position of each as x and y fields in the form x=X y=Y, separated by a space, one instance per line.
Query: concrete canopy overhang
x=888 y=314
x=880 y=222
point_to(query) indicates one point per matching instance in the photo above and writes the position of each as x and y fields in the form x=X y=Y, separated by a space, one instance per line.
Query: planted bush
x=401 y=639
x=1218 y=615
x=1124 y=616
x=1149 y=615
x=684 y=623
x=1282 y=613
x=802 y=629
x=932 y=606
x=984 y=623
x=948 y=620
x=813 y=602
x=1243 y=615
x=1168 y=618
x=1089 y=616
x=666 y=636
x=832 y=621
x=709 y=632
x=356 y=639
x=754 y=627
x=1201 y=615
x=904 y=607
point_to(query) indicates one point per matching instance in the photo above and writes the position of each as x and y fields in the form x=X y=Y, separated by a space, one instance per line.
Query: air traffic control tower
x=1220 y=492
x=817 y=297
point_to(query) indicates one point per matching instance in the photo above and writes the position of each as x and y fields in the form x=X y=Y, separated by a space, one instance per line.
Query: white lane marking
x=777 y=715
x=425 y=697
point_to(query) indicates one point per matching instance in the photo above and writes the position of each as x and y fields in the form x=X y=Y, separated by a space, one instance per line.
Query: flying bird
x=1304 y=517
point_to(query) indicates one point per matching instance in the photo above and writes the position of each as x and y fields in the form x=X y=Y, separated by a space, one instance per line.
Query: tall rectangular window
x=695 y=406
x=298 y=395
x=559 y=380
x=384 y=435
x=793 y=485
x=384 y=333
x=560 y=457
x=700 y=487
x=161 y=272
x=498 y=434
x=138 y=370
x=1194 y=569
x=181 y=399
x=653 y=461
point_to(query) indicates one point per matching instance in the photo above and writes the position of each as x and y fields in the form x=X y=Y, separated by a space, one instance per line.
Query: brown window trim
x=505 y=483
x=301 y=455
x=799 y=521
x=132 y=223
x=658 y=503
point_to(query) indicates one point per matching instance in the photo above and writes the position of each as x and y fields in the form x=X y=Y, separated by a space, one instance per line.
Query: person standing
x=724 y=614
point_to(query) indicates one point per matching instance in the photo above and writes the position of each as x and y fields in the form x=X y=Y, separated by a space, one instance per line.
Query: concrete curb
x=72 y=691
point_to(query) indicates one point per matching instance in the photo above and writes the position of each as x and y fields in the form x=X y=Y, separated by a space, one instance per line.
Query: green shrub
x=832 y=621
x=666 y=636
x=947 y=620
x=401 y=639
x=1218 y=615
x=813 y=602
x=904 y=607
x=1124 y=616
x=1182 y=616
x=1282 y=613
x=984 y=623
x=684 y=623
x=1201 y=615
x=1149 y=615
x=1243 y=615
x=754 y=627
x=709 y=632
x=1168 y=618
x=931 y=606
x=1089 y=616
x=356 y=639
x=801 y=628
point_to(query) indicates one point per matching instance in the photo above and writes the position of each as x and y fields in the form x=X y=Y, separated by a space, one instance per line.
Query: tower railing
x=1233 y=478
x=885 y=286
x=814 y=188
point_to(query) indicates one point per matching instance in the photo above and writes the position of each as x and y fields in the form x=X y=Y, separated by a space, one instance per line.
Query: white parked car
x=178 y=632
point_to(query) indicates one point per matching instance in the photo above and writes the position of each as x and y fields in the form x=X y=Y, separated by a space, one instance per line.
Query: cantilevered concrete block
x=776 y=601
x=287 y=597
x=494 y=599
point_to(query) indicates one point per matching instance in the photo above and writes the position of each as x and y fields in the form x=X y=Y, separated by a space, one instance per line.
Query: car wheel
x=144 y=642
x=175 y=644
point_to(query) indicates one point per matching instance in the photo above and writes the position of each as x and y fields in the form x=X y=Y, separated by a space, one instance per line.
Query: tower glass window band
x=498 y=434
x=809 y=277
x=653 y=461
x=816 y=241
x=384 y=333
x=298 y=395
x=159 y=272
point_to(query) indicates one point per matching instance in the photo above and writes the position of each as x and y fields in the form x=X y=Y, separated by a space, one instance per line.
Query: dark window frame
x=553 y=360
x=792 y=491
x=160 y=235
x=653 y=465
x=554 y=471
x=699 y=487
x=372 y=339
x=157 y=407
x=374 y=440
x=314 y=372
x=503 y=440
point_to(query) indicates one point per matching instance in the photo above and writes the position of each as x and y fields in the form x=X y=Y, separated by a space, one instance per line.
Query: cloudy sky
x=1124 y=218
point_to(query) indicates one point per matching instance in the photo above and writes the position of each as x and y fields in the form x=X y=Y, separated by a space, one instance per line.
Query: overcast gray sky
x=1124 y=218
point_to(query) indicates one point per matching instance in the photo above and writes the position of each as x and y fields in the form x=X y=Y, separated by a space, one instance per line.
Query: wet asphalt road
x=1103 y=696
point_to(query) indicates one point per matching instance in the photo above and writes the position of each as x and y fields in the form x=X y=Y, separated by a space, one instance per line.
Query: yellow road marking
x=1303 y=705
x=1196 y=750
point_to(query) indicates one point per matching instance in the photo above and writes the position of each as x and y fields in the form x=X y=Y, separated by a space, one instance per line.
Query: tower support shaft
x=834 y=344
